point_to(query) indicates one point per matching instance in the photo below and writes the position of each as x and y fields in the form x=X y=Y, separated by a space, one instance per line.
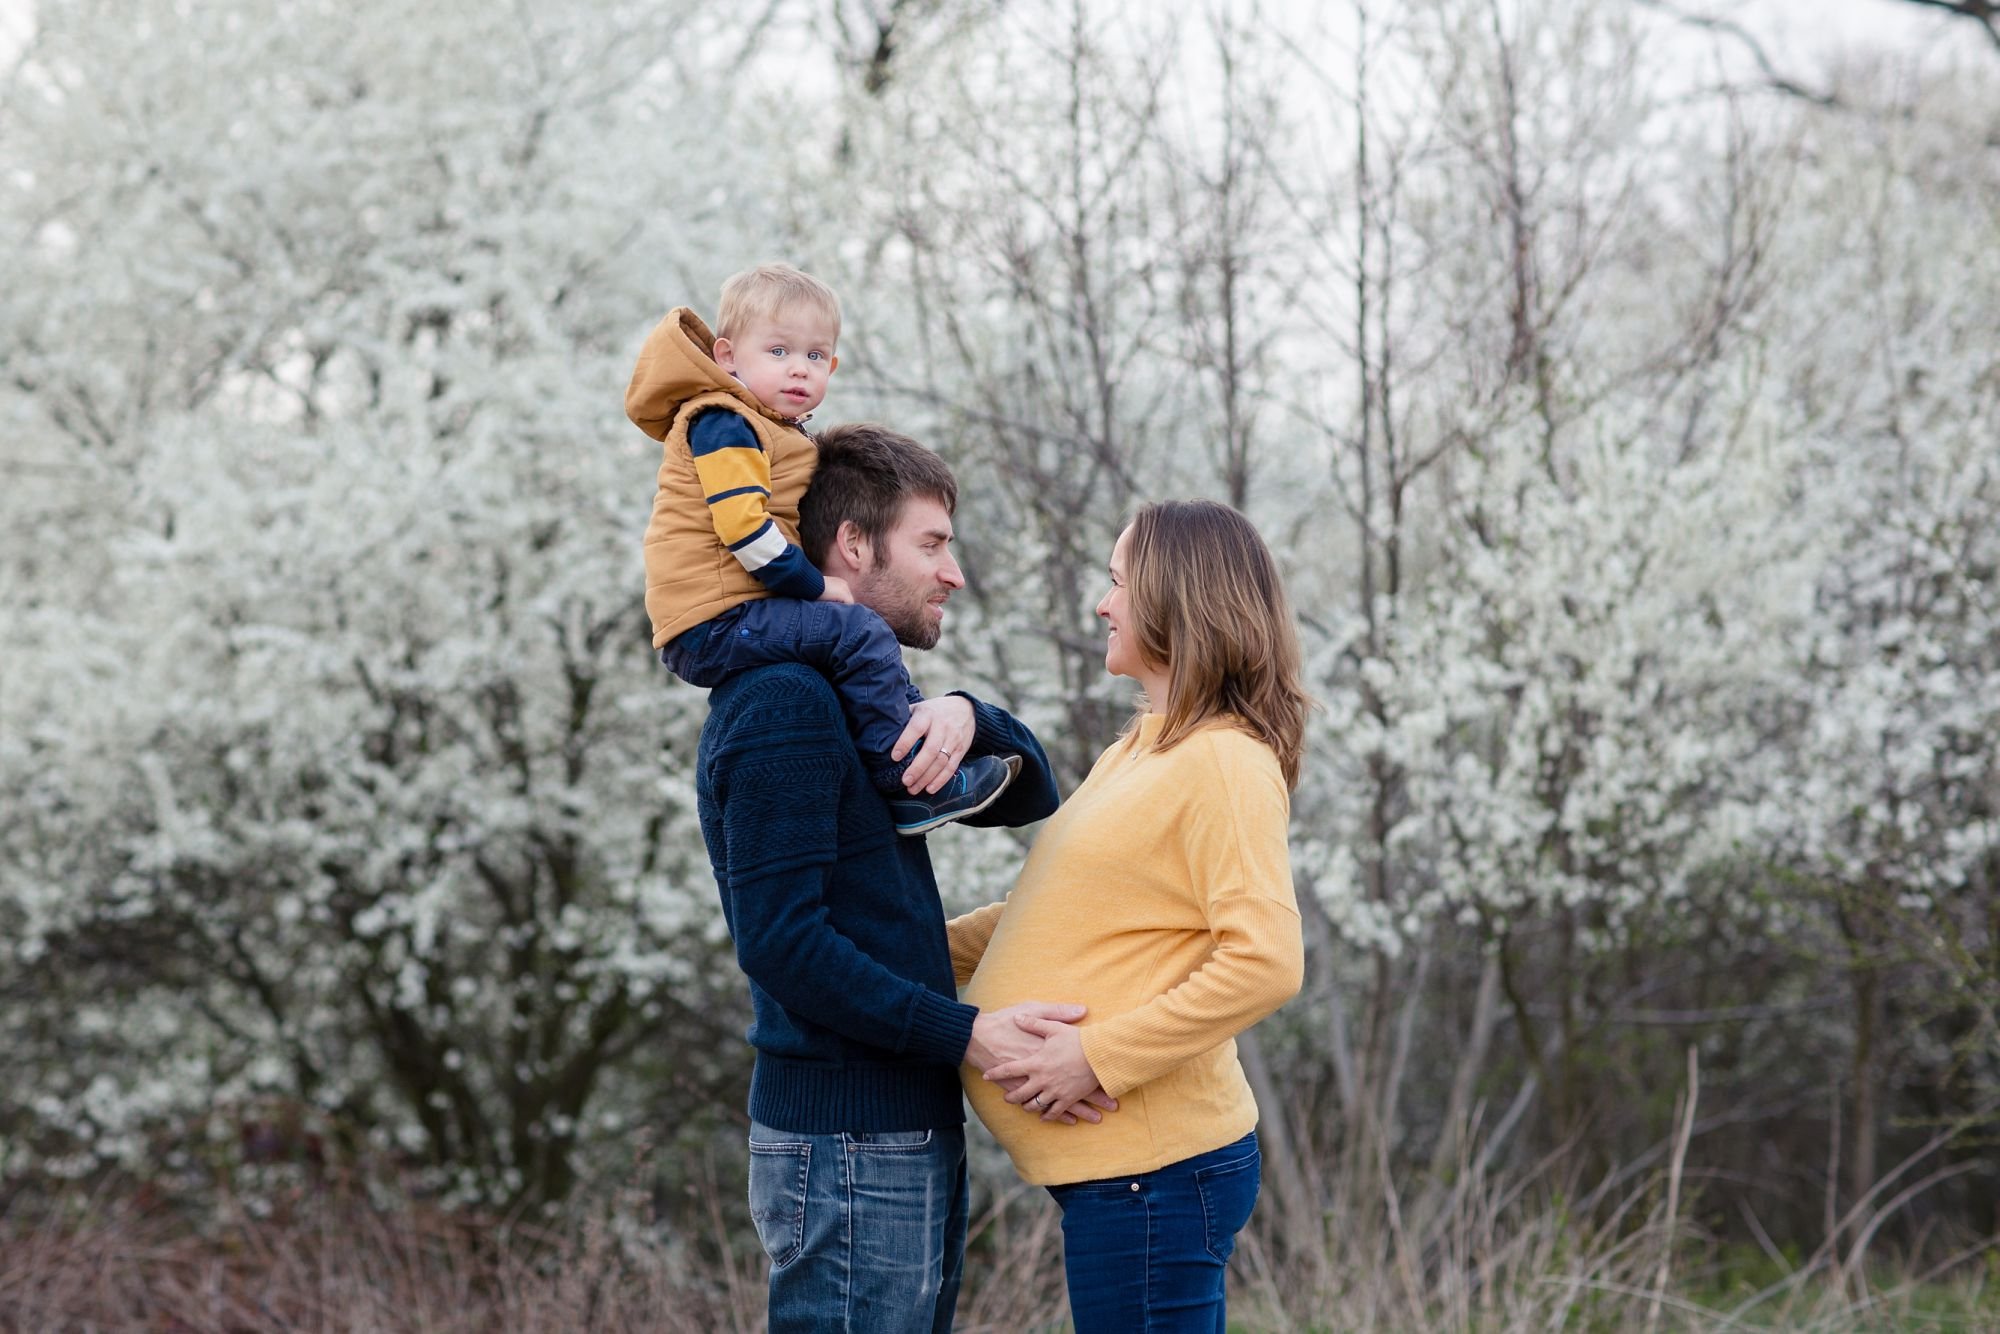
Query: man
x=857 y=1143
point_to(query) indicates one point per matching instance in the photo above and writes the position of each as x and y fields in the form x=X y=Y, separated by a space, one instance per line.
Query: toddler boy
x=726 y=579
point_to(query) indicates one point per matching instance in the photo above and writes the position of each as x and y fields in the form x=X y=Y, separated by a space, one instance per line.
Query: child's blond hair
x=769 y=290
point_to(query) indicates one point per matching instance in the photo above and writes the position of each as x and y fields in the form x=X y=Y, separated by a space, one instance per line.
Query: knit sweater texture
x=1160 y=896
x=707 y=508
x=836 y=920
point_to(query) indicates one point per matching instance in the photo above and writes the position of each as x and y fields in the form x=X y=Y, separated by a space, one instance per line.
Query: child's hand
x=836 y=590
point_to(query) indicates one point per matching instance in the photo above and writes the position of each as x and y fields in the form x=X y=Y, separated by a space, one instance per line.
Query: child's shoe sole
x=1013 y=763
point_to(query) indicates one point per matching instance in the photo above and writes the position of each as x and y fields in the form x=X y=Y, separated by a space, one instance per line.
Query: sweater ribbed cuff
x=791 y=575
x=987 y=737
x=940 y=1029
x=1114 y=1075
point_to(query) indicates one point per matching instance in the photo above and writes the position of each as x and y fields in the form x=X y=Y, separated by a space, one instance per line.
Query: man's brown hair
x=865 y=474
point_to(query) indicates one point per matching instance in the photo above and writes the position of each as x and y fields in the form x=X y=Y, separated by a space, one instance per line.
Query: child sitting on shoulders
x=725 y=575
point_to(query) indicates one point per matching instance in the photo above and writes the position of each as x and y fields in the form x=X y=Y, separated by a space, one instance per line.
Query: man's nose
x=950 y=573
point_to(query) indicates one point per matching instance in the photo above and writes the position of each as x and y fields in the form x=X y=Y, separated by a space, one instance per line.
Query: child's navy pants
x=850 y=643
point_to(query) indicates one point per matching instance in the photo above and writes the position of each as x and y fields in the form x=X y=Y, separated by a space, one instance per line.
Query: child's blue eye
x=777 y=351
x=815 y=356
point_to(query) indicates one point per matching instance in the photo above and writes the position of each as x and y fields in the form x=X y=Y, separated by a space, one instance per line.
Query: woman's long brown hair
x=1207 y=603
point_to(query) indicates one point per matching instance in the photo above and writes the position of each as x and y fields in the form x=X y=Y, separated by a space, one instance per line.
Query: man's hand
x=946 y=726
x=997 y=1038
x=1055 y=1077
x=836 y=589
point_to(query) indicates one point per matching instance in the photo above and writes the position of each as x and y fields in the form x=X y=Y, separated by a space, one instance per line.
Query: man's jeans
x=866 y=1232
x=1149 y=1252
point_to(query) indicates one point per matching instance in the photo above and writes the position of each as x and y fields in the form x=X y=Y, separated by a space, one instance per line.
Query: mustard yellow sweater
x=1160 y=896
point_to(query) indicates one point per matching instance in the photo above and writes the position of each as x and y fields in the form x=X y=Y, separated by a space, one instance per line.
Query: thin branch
x=1773 y=77
x=1982 y=12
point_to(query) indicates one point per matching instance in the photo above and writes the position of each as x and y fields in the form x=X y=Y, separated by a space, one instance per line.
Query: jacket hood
x=677 y=364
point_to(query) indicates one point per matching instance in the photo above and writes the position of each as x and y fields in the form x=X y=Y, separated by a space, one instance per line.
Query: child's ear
x=833 y=363
x=724 y=354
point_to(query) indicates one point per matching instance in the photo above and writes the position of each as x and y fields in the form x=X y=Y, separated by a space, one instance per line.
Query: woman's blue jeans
x=1148 y=1252
x=866 y=1231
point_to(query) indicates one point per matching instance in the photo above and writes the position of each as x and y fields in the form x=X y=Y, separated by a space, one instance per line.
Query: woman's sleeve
x=1235 y=842
x=969 y=935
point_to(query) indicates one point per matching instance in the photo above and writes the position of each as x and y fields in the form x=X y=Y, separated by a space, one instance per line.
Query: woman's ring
x=1041 y=1101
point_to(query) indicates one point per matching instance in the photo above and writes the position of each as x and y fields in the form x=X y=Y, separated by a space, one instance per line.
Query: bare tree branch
x=1982 y=12
x=1742 y=36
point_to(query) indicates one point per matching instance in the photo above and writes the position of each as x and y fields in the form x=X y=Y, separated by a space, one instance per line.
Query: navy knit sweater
x=836 y=918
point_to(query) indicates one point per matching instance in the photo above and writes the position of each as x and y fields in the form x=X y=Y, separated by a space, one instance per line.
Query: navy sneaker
x=977 y=784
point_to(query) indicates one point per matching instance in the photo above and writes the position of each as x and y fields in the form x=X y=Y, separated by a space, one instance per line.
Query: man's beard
x=904 y=607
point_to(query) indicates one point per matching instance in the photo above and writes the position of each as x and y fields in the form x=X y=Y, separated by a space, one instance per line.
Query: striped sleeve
x=736 y=479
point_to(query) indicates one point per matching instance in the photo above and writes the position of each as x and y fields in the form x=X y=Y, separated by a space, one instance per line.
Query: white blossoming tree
x=336 y=774
x=1880 y=813
x=1628 y=444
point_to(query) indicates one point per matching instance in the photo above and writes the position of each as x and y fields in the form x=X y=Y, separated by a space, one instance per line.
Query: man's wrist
x=977 y=1054
x=939 y=1027
x=983 y=740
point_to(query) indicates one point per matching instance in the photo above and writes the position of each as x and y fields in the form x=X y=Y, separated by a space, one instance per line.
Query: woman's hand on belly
x=1003 y=1036
x=1091 y=1109
x=1054 y=1079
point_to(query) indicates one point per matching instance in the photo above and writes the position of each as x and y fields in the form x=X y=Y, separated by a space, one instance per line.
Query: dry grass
x=1013 y=1266
x=1533 y=1252
x=333 y=1263
x=1544 y=1250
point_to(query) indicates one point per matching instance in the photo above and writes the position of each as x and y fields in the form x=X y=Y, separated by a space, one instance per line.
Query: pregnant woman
x=1160 y=896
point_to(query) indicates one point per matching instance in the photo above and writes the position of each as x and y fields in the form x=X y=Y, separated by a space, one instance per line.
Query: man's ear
x=851 y=544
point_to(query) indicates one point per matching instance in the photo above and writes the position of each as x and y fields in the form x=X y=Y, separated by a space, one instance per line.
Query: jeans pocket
x=1112 y=1188
x=889 y=1141
x=778 y=1197
x=1228 y=1193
